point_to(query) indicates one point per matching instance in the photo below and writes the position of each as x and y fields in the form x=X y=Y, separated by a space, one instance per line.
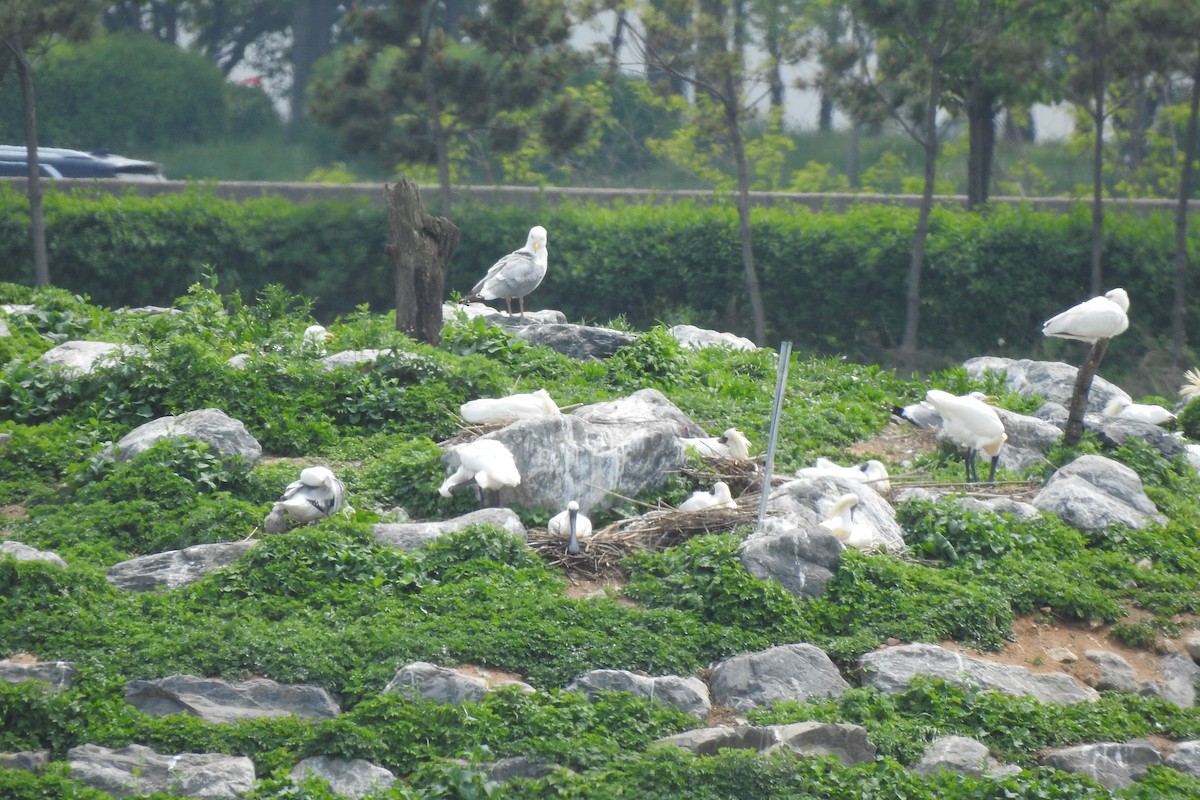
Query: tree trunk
x=37 y=222
x=981 y=137
x=312 y=37
x=916 y=265
x=1179 y=305
x=757 y=313
x=1079 y=397
x=419 y=247
x=1099 y=82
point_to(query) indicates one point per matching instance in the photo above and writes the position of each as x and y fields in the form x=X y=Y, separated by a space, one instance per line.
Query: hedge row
x=831 y=282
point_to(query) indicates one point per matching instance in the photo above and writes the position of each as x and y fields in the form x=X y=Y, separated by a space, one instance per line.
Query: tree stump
x=419 y=247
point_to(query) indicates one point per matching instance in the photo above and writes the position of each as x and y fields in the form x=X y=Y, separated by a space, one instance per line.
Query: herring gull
x=515 y=275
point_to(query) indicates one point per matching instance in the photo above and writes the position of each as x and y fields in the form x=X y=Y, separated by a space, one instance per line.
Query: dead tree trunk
x=420 y=247
x=1079 y=397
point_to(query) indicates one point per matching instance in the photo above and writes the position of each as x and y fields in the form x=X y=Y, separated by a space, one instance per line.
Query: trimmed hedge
x=831 y=282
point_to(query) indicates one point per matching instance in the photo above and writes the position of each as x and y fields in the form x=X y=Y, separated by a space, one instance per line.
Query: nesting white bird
x=873 y=473
x=719 y=497
x=842 y=524
x=515 y=275
x=487 y=461
x=571 y=523
x=527 y=405
x=317 y=495
x=315 y=337
x=730 y=444
x=972 y=424
x=1101 y=317
x=1121 y=408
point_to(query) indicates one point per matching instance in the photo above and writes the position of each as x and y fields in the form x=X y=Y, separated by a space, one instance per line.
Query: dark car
x=56 y=162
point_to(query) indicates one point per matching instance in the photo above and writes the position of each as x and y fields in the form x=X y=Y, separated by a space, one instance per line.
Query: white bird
x=921 y=414
x=515 y=275
x=488 y=462
x=1191 y=384
x=873 y=473
x=843 y=525
x=572 y=523
x=1121 y=408
x=507 y=409
x=730 y=444
x=972 y=424
x=1101 y=317
x=315 y=338
x=317 y=495
x=719 y=497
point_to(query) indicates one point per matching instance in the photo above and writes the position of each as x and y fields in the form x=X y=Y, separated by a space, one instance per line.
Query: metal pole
x=785 y=357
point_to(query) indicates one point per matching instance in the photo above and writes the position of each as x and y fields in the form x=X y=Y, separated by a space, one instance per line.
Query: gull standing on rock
x=572 y=523
x=515 y=275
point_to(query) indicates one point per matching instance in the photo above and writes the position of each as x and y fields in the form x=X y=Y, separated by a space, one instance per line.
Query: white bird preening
x=488 y=462
x=317 y=495
x=842 y=524
x=730 y=444
x=571 y=523
x=507 y=409
x=1121 y=408
x=972 y=424
x=315 y=337
x=515 y=275
x=1102 y=317
x=873 y=473
x=719 y=497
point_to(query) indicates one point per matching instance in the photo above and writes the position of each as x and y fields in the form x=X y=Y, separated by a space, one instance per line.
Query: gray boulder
x=847 y=743
x=803 y=559
x=27 y=760
x=710 y=741
x=494 y=317
x=1185 y=757
x=411 y=535
x=581 y=342
x=990 y=505
x=1180 y=676
x=24 y=552
x=963 y=755
x=175 y=568
x=1053 y=380
x=506 y=769
x=694 y=338
x=1115 y=673
x=1116 y=765
x=59 y=674
x=217 y=700
x=212 y=426
x=575 y=457
x=138 y=770
x=786 y=672
x=1028 y=440
x=350 y=777
x=421 y=679
x=808 y=500
x=1115 y=431
x=1093 y=492
x=643 y=407
x=4 y=331
x=83 y=358
x=892 y=669
x=689 y=695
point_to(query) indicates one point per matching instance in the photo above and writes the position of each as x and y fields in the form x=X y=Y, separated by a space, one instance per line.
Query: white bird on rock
x=317 y=495
x=843 y=525
x=730 y=444
x=972 y=424
x=719 y=497
x=1149 y=413
x=515 y=275
x=507 y=409
x=873 y=473
x=1101 y=317
x=488 y=462
x=571 y=523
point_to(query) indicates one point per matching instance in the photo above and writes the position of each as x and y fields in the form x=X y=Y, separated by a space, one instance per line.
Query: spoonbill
x=1102 y=317
x=842 y=524
x=317 y=495
x=719 y=497
x=1121 y=408
x=515 y=275
x=972 y=424
x=572 y=523
x=506 y=409
x=488 y=462
x=730 y=444
x=873 y=473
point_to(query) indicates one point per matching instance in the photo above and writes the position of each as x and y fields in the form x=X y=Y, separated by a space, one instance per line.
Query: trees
x=28 y=28
x=405 y=91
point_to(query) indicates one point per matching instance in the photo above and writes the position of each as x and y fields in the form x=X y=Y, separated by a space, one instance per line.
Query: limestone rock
x=581 y=342
x=689 y=695
x=27 y=760
x=441 y=684
x=847 y=743
x=803 y=559
x=694 y=338
x=137 y=770
x=217 y=700
x=1093 y=492
x=1053 y=380
x=1028 y=440
x=710 y=741
x=1116 y=765
x=212 y=426
x=963 y=755
x=786 y=672
x=411 y=535
x=808 y=499
x=59 y=674
x=350 y=777
x=1185 y=757
x=83 y=358
x=175 y=568
x=892 y=669
x=23 y=552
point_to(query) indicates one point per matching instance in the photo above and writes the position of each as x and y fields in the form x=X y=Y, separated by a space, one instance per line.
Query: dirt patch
x=14 y=511
x=589 y=588
x=494 y=677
